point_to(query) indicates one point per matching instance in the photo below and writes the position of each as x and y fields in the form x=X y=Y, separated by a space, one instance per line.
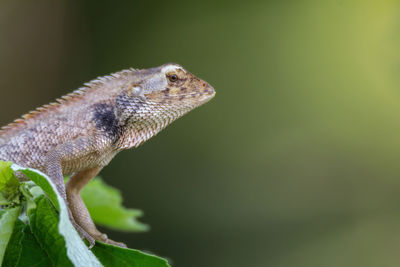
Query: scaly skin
x=80 y=133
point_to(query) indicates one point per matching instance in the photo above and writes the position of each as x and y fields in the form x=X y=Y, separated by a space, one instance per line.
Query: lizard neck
x=137 y=134
x=140 y=129
x=140 y=120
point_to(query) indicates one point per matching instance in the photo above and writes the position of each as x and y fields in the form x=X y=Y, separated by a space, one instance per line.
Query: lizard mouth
x=199 y=97
x=208 y=93
x=195 y=97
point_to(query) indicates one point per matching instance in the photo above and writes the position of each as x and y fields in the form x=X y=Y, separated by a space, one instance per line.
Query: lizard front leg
x=73 y=150
x=78 y=208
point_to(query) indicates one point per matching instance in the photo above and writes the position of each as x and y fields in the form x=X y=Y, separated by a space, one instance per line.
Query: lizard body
x=81 y=132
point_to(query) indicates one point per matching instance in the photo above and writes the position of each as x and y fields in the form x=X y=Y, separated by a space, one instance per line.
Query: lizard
x=81 y=132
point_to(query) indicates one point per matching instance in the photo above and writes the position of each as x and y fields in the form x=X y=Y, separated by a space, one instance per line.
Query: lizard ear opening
x=136 y=90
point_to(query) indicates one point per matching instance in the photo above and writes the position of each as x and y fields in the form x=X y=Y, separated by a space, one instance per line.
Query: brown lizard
x=81 y=132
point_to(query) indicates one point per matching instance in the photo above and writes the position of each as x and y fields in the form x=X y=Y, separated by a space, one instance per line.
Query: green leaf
x=32 y=254
x=116 y=256
x=9 y=184
x=104 y=205
x=6 y=174
x=23 y=249
x=43 y=222
x=29 y=198
x=14 y=246
x=43 y=181
x=51 y=240
x=76 y=249
x=7 y=222
x=3 y=200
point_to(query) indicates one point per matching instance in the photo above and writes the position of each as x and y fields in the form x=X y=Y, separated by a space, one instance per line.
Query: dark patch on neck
x=128 y=107
x=105 y=120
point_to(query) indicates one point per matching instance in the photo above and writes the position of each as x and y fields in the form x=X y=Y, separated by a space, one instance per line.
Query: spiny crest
x=17 y=124
x=105 y=79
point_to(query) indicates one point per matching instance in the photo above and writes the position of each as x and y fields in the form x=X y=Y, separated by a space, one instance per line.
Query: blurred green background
x=296 y=160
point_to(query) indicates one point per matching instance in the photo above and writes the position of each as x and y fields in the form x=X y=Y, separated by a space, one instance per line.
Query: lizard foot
x=104 y=238
x=93 y=235
x=84 y=235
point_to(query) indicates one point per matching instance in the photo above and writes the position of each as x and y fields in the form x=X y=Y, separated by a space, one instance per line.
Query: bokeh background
x=296 y=160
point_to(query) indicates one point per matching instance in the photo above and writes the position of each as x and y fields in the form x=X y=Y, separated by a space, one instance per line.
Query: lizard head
x=171 y=86
x=155 y=97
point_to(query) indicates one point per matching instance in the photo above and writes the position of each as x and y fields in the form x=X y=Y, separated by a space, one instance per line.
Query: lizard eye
x=172 y=77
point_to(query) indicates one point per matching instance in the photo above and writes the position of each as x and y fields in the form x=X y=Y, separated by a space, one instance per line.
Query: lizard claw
x=84 y=235
x=91 y=241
